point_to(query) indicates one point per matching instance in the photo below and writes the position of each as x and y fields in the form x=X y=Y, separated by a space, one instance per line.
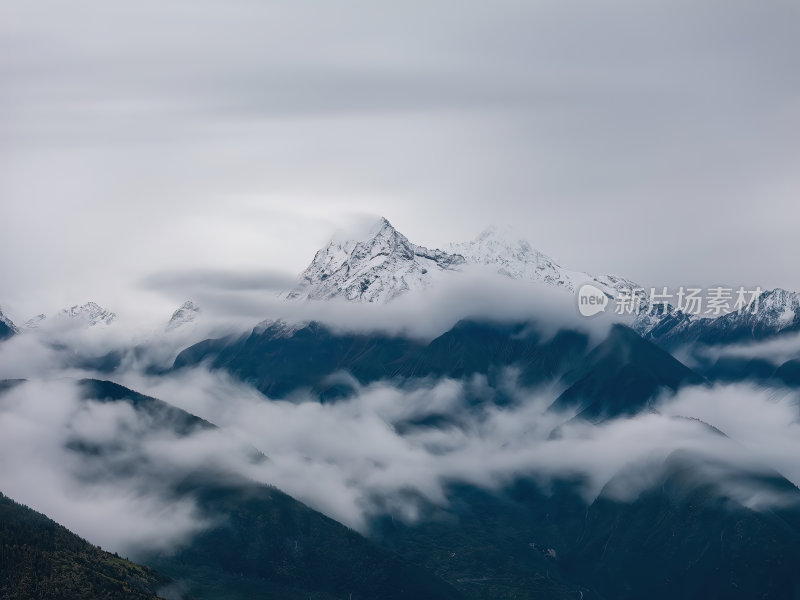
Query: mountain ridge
x=186 y=313
x=377 y=268
x=91 y=313
x=384 y=265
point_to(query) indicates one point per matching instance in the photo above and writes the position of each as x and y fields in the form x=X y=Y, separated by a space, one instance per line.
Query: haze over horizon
x=655 y=141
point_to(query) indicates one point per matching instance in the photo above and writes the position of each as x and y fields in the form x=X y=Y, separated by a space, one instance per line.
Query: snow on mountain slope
x=513 y=256
x=380 y=266
x=383 y=264
x=6 y=321
x=186 y=313
x=777 y=311
x=34 y=322
x=90 y=313
x=7 y=327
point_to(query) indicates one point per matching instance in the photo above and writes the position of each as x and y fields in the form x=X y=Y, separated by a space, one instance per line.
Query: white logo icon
x=591 y=300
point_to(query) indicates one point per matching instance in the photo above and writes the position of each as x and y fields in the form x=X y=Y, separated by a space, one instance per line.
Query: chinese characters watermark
x=708 y=302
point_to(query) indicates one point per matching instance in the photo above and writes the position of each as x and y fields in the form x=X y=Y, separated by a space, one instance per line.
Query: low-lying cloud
x=776 y=350
x=198 y=280
x=391 y=446
x=475 y=292
x=38 y=420
x=351 y=458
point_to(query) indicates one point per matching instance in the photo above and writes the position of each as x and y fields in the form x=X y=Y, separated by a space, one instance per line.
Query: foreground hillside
x=41 y=559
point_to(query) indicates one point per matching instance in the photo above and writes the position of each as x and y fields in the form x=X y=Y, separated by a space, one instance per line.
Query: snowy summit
x=90 y=313
x=382 y=265
x=376 y=267
x=186 y=313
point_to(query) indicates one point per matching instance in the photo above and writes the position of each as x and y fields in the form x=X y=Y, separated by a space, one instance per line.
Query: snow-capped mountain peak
x=381 y=263
x=512 y=255
x=186 y=313
x=91 y=314
x=376 y=267
x=774 y=312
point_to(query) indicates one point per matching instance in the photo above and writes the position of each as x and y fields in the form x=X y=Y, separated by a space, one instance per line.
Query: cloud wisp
x=392 y=445
x=95 y=467
x=353 y=458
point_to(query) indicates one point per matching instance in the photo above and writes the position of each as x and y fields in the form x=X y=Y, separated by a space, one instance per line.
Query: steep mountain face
x=188 y=312
x=377 y=268
x=7 y=327
x=91 y=314
x=35 y=322
x=617 y=377
x=514 y=257
x=40 y=559
x=384 y=265
x=621 y=375
x=277 y=359
x=777 y=312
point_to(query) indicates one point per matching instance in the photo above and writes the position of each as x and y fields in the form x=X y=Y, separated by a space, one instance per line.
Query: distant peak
x=372 y=263
x=511 y=254
x=93 y=313
x=185 y=313
x=33 y=323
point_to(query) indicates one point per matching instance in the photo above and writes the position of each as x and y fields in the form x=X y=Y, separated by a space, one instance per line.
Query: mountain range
x=186 y=313
x=91 y=314
x=526 y=536
x=381 y=265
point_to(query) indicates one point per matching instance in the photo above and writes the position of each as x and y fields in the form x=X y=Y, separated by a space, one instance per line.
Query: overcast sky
x=656 y=139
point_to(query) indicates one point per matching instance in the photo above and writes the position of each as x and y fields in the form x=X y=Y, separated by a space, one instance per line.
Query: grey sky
x=658 y=140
